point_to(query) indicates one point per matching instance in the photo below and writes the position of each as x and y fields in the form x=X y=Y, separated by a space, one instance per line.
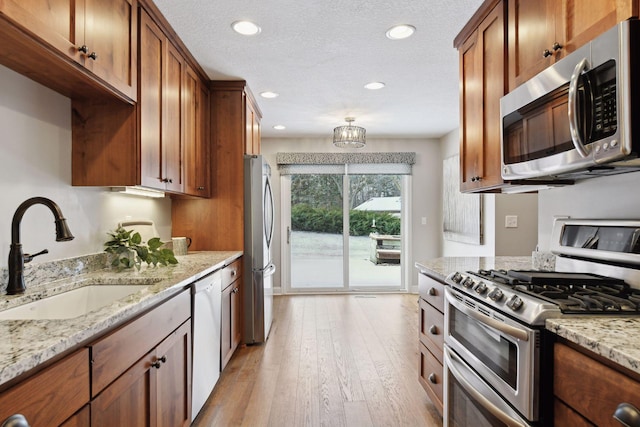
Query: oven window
x=464 y=411
x=496 y=352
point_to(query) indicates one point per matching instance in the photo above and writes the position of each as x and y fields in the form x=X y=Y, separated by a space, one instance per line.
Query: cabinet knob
x=235 y=290
x=163 y=359
x=556 y=46
x=83 y=48
x=432 y=378
x=433 y=292
x=93 y=56
x=200 y=188
x=546 y=53
x=476 y=178
x=433 y=330
x=156 y=364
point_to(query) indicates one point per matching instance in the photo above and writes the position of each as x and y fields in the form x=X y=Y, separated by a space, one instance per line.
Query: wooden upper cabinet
x=100 y=35
x=483 y=83
x=252 y=135
x=544 y=31
x=160 y=109
x=195 y=135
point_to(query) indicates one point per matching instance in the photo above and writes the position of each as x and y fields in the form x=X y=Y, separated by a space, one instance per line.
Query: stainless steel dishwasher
x=207 y=305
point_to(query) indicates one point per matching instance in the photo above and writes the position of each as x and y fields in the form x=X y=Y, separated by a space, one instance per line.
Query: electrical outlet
x=511 y=221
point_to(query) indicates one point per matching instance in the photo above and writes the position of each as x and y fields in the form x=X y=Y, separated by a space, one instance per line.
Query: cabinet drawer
x=431 y=372
x=431 y=291
x=115 y=353
x=590 y=387
x=231 y=273
x=431 y=329
x=51 y=396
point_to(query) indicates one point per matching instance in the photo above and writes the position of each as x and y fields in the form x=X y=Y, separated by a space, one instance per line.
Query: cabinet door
x=483 y=82
x=532 y=31
x=127 y=401
x=196 y=159
x=111 y=33
x=236 y=314
x=173 y=400
x=225 y=326
x=252 y=141
x=60 y=23
x=586 y=19
x=150 y=101
x=172 y=120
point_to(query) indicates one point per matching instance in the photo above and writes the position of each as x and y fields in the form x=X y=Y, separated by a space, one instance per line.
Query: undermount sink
x=70 y=304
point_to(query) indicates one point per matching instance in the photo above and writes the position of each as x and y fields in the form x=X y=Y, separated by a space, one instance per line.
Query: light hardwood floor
x=330 y=360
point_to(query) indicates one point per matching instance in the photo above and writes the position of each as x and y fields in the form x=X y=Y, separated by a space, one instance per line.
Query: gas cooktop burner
x=572 y=292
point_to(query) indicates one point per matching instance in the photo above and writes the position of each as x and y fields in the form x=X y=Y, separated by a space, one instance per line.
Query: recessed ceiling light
x=279 y=127
x=399 y=32
x=246 y=28
x=374 y=85
x=269 y=94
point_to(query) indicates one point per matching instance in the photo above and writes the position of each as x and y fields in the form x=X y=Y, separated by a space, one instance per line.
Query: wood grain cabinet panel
x=99 y=35
x=431 y=377
x=590 y=388
x=231 y=323
x=52 y=395
x=483 y=82
x=195 y=135
x=545 y=31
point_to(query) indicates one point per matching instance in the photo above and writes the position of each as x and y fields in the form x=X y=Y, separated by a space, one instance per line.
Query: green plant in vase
x=129 y=251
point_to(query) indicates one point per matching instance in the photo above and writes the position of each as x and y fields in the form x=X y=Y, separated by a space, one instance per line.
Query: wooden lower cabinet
x=431 y=336
x=155 y=391
x=588 y=391
x=51 y=396
x=231 y=323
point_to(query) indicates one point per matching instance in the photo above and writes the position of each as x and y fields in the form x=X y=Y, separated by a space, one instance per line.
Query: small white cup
x=181 y=245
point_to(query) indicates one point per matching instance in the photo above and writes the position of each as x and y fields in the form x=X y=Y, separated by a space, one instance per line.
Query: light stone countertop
x=616 y=338
x=28 y=343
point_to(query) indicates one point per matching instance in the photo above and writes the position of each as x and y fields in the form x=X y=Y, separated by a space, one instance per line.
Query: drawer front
x=51 y=396
x=590 y=387
x=113 y=354
x=431 y=376
x=231 y=273
x=431 y=291
x=431 y=329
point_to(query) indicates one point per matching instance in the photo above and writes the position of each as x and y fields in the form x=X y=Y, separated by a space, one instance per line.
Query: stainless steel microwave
x=576 y=119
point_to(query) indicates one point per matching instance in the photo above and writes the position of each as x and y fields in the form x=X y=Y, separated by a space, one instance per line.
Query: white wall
x=426 y=194
x=35 y=160
x=497 y=239
x=612 y=197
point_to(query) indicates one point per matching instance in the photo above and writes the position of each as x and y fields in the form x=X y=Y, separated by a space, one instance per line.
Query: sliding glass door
x=343 y=232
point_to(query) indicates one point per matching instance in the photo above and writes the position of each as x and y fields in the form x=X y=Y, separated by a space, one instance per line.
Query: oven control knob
x=480 y=288
x=495 y=294
x=514 y=303
x=468 y=283
x=457 y=277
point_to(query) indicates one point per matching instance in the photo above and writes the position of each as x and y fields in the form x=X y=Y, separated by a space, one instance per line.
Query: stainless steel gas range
x=497 y=352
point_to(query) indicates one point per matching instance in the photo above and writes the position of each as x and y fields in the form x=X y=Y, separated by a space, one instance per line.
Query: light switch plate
x=511 y=221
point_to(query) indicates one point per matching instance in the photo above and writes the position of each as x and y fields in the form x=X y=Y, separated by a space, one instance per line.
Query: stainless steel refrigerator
x=258 y=239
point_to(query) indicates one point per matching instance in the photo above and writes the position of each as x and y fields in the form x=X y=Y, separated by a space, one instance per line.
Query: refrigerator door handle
x=288 y=235
x=269 y=270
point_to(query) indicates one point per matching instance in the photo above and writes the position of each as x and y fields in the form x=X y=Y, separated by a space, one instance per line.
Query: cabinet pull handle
x=15 y=420
x=432 y=378
x=83 y=48
x=93 y=56
x=433 y=330
x=432 y=292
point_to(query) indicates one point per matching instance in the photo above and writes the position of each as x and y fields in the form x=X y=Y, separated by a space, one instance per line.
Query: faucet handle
x=29 y=257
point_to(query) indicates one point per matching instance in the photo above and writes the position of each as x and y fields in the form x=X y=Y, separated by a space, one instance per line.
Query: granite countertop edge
x=29 y=343
x=616 y=338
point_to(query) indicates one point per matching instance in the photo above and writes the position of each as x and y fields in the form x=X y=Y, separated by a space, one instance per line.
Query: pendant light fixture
x=349 y=136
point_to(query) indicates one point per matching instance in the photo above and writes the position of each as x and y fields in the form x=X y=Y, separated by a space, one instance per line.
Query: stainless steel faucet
x=16 y=257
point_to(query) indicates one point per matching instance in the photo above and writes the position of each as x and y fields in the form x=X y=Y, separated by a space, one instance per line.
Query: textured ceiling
x=318 y=54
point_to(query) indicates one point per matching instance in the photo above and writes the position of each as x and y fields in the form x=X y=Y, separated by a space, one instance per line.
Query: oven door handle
x=450 y=364
x=513 y=331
